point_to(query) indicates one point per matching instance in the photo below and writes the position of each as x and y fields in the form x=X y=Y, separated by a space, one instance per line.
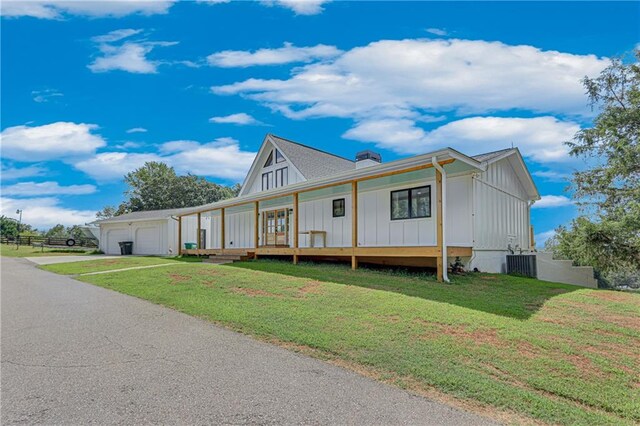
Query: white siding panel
x=459 y=216
x=317 y=215
x=376 y=229
x=239 y=229
x=501 y=210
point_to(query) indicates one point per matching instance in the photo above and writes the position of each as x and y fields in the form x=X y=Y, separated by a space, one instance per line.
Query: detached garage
x=152 y=232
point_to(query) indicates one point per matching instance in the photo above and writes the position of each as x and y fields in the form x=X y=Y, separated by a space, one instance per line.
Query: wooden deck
x=378 y=252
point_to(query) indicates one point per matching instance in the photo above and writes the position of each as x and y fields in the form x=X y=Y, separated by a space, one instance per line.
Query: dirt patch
x=527 y=350
x=615 y=296
x=486 y=336
x=392 y=319
x=178 y=278
x=488 y=278
x=254 y=292
x=212 y=272
x=311 y=287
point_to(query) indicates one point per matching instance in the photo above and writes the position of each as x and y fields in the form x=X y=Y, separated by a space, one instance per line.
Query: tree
x=107 y=212
x=57 y=231
x=607 y=236
x=8 y=227
x=156 y=186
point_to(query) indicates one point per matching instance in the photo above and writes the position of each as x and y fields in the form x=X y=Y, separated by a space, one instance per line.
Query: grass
x=9 y=250
x=99 y=265
x=515 y=348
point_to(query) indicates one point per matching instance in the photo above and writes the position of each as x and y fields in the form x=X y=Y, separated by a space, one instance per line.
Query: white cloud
x=55 y=141
x=46 y=95
x=240 y=118
x=45 y=212
x=130 y=55
x=12 y=173
x=29 y=189
x=553 y=175
x=437 y=31
x=539 y=138
x=222 y=158
x=114 y=165
x=550 y=201
x=57 y=9
x=137 y=130
x=542 y=237
x=299 y=7
x=115 y=35
x=408 y=79
x=282 y=55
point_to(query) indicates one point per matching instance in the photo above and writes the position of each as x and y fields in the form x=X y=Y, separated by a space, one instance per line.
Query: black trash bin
x=126 y=247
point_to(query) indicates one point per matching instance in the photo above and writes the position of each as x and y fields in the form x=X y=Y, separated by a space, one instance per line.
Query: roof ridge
x=310 y=147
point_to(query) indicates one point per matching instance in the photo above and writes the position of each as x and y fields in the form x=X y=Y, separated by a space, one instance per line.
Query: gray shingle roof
x=487 y=156
x=312 y=162
x=145 y=215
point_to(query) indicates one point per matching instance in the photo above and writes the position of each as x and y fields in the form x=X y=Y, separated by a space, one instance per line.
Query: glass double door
x=275 y=227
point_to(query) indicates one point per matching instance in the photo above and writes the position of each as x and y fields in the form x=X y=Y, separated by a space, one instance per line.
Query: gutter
x=445 y=261
x=339 y=178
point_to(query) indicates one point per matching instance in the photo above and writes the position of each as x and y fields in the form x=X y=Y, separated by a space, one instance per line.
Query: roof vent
x=367 y=158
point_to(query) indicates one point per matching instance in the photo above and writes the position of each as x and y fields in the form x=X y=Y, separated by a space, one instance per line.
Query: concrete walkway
x=73 y=353
x=50 y=260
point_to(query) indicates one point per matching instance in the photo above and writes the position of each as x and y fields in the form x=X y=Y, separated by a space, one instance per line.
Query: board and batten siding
x=239 y=227
x=501 y=209
x=376 y=229
x=317 y=215
x=502 y=216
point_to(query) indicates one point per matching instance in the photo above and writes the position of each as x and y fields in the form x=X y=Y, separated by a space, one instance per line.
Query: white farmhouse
x=301 y=202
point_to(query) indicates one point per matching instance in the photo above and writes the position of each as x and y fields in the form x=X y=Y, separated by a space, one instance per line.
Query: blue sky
x=91 y=90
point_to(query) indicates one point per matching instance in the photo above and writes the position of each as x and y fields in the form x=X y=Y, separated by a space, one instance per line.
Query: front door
x=275 y=227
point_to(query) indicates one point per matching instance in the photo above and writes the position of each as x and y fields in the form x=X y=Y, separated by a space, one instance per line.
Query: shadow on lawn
x=504 y=295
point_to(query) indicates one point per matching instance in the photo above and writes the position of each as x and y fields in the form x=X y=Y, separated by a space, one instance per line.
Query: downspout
x=445 y=260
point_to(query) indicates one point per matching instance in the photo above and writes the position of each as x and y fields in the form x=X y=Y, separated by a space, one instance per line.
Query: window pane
x=400 y=205
x=279 y=157
x=285 y=176
x=338 y=207
x=420 y=202
x=269 y=160
x=265 y=182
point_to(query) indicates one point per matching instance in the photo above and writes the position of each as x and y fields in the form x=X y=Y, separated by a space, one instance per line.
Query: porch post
x=354 y=223
x=256 y=226
x=295 y=228
x=222 y=228
x=439 y=262
x=179 y=235
x=198 y=239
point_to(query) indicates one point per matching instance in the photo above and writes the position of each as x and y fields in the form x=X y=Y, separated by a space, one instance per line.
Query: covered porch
x=281 y=222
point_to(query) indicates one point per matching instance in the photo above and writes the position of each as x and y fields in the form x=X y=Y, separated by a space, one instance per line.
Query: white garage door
x=147 y=240
x=114 y=236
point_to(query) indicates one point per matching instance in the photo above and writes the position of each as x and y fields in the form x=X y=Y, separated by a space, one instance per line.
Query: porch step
x=217 y=261
x=227 y=258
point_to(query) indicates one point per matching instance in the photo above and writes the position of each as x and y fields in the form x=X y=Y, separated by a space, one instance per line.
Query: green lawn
x=517 y=348
x=9 y=250
x=99 y=265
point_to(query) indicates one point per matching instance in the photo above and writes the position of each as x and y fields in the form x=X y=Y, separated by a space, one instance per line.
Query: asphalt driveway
x=73 y=353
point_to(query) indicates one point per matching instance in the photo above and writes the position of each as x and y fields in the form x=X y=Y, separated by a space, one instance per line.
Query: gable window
x=282 y=177
x=269 y=161
x=411 y=203
x=338 y=207
x=267 y=180
x=279 y=157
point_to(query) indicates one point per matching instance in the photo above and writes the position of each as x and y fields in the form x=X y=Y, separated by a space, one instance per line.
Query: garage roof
x=144 y=215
